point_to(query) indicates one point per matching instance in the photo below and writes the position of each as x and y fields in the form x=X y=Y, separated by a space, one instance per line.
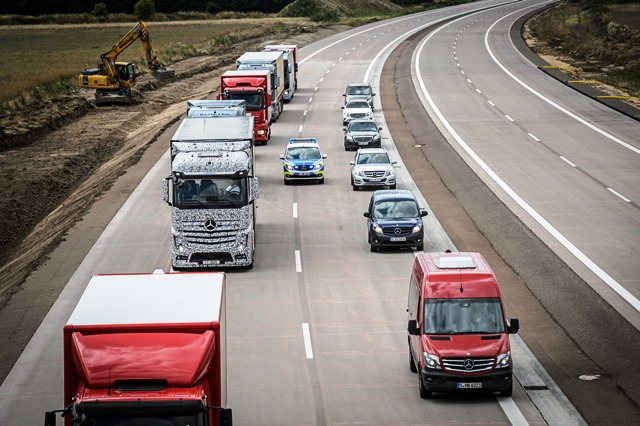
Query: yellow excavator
x=113 y=80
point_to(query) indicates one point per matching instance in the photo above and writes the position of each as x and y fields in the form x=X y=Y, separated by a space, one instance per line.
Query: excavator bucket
x=164 y=74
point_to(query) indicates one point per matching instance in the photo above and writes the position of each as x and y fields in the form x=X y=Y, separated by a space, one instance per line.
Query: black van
x=394 y=219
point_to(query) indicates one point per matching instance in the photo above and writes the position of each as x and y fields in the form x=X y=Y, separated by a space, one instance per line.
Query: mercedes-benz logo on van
x=468 y=364
x=397 y=231
x=209 y=225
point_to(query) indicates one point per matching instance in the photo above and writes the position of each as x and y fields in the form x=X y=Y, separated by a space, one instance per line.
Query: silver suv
x=362 y=134
x=360 y=91
x=372 y=167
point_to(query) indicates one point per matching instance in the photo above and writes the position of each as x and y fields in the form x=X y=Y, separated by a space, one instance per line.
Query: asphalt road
x=316 y=331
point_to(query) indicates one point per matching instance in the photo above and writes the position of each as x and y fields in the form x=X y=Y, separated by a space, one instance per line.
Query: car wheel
x=286 y=182
x=508 y=391
x=392 y=186
x=424 y=393
x=321 y=180
x=420 y=247
x=412 y=365
x=373 y=248
x=355 y=188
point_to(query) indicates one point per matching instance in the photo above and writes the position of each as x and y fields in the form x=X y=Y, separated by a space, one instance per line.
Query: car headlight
x=504 y=360
x=369 y=114
x=417 y=228
x=431 y=361
x=349 y=138
x=376 y=138
x=358 y=172
x=317 y=166
x=377 y=229
x=289 y=166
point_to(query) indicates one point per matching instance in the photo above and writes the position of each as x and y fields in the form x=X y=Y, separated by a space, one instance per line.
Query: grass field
x=41 y=54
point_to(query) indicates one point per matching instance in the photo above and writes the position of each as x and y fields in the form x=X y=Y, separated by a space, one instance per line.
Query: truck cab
x=457 y=332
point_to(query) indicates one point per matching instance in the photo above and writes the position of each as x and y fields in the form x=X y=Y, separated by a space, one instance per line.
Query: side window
x=413 y=304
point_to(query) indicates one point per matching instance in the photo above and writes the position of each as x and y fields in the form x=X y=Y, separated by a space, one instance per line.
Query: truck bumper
x=441 y=381
x=194 y=256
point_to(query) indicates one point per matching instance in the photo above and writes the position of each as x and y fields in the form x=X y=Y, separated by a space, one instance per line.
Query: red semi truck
x=147 y=349
x=253 y=87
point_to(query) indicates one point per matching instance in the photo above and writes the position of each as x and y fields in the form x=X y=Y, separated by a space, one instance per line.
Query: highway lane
x=570 y=159
x=316 y=330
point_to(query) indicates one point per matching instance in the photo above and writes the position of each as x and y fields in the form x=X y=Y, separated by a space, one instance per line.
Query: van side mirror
x=423 y=213
x=412 y=328
x=514 y=326
x=367 y=214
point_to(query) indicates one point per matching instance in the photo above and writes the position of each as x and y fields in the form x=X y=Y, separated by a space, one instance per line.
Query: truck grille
x=224 y=232
x=468 y=365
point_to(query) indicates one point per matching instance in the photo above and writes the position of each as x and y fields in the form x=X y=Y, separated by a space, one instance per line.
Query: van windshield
x=463 y=316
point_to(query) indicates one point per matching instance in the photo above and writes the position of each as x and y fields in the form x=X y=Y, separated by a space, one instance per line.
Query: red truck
x=147 y=349
x=457 y=332
x=253 y=87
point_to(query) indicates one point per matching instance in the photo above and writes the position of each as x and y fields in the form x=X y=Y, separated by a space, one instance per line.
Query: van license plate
x=472 y=385
x=398 y=238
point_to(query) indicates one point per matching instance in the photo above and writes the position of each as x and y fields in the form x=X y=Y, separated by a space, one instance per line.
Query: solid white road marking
x=298 y=261
x=306 y=335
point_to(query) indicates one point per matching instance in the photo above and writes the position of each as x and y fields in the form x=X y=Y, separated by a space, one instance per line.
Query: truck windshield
x=463 y=316
x=252 y=100
x=210 y=193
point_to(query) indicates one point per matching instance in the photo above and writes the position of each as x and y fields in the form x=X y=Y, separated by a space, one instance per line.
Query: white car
x=372 y=167
x=356 y=109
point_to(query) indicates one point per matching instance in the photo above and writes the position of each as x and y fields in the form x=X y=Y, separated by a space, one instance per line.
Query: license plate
x=398 y=238
x=363 y=143
x=304 y=173
x=472 y=385
x=210 y=262
x=374 y=179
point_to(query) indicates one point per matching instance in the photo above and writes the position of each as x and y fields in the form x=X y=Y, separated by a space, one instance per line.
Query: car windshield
x=460 y=316
x=373 y=158
x=303 y=153
x=357 y=104
x=359 y=90
x=395 y=209
x=360 y=126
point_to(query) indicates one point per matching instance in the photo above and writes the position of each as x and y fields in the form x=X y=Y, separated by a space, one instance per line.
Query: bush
x=144 y=9
x=100 y=11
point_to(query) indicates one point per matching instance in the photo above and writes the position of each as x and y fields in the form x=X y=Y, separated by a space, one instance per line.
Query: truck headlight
x=431 y=361
x=504 y=360
x=261 y=132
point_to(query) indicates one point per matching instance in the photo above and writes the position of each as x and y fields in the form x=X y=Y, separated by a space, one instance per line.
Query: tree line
x=51 y=7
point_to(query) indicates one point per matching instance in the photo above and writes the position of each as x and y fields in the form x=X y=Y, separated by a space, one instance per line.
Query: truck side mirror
x=226 y=418
x=412 y=328
x=50 y=418
x=269 y=101
x=514 y=326
x=255 y=193
x=165 y=189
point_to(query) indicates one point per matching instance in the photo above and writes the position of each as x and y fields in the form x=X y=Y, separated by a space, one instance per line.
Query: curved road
x=316 y=330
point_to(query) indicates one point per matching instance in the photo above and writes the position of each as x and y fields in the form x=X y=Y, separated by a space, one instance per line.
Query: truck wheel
x=508 y=391
x=412 y=365
x=424 y=393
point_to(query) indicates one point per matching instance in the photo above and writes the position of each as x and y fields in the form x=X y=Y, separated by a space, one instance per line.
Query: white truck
x=290 y=52
x=212 y=191
x=274 y=62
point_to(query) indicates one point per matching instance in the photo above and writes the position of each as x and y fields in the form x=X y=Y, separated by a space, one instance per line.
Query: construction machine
x=113 y=80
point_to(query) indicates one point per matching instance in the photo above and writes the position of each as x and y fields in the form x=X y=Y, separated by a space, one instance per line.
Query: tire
x=412 y=365
x=373 y=248
x=424 y=393
x=508 y=391
x=321 y=181
x=355 y=188
x=420 y=247
x=286 y=182
x=392 y=186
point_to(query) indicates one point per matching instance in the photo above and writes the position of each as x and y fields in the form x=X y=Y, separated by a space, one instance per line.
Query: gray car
x=362 y=134
x=372 y=167
x=360 y=91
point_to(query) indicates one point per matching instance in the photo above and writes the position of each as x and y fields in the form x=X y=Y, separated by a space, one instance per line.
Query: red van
x=458 y=335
